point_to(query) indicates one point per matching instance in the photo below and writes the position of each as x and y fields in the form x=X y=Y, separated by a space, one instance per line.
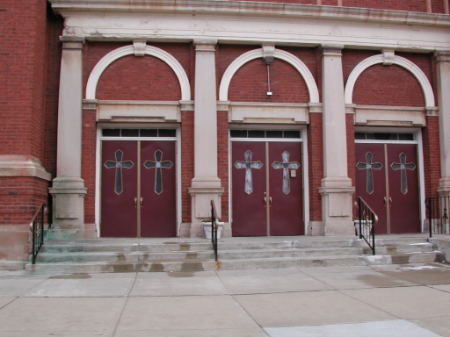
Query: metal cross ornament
x=403 y=166
x=369 y=166
x=118 y=165
x=158 y=165
x=248 y=165
x=285 y=165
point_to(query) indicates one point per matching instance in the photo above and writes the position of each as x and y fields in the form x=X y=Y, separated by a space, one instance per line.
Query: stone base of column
x=201 y=208
x=337 y=210
x=68 y=208
x=444 y=187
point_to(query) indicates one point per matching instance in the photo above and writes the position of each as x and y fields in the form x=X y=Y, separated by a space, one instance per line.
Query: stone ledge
x=22 y=166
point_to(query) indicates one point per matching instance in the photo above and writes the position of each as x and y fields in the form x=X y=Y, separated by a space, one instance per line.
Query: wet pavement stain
x=156 y=267
x=180 y=274
x=196 y=266
x=70 y=277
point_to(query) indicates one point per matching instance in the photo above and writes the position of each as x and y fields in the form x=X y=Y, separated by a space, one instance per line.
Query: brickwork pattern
x=431 y=154
x=137 y=78
x=437 y=6
x=249 y=84
x=88 y=163
x=315 y=157
x=187 y=162
x=20 y=197
x=223 y=160
x=387 y=85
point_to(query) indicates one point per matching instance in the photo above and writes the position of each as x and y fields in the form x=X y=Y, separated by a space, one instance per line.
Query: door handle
x=135 y=202
x=142 y=199
x=270 y=201
x=384 y=199
x=390 y=201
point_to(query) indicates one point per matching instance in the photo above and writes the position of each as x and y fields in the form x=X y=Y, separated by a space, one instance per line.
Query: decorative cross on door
x=248 y=165
x=402 y=166
x=158 y=165
x=369 y=166
x=118 y=165
x=285 y=165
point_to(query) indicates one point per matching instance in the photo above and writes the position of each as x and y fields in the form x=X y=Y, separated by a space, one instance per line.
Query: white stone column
x=443 y=81
x=336 y=189
x=68 y=188
x=205 y=185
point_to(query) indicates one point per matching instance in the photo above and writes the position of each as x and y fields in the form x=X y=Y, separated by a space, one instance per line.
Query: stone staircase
x=183 y=254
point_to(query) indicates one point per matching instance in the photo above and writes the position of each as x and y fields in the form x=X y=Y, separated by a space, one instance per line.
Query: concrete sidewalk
x=394 y=300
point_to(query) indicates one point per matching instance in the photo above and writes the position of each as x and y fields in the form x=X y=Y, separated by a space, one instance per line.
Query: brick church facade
x=127 y=118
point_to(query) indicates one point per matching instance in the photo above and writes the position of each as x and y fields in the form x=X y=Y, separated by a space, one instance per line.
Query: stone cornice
x=224 y=7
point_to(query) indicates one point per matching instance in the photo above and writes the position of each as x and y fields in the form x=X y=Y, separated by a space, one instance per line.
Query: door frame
x=98 y=176
x=303 y=139
x=417 y=133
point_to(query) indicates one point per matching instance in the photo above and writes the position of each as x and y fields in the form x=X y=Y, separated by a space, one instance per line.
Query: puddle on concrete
x=70 y=277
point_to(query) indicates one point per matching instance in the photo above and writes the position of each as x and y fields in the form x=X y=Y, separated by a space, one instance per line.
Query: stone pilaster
x=205 y=185
x=336 y=189
x=443 y=81
x=68 y=189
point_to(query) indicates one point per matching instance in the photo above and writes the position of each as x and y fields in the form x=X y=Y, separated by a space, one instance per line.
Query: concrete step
x=45 y=257
x=158 y=255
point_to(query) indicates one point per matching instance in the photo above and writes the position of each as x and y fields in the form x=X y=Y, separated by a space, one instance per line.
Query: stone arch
x=164 y=56
x=398 y=60
x=280 y=54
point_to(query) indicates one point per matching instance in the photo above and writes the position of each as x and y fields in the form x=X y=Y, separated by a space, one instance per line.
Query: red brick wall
x=19 y=199
x=315 y=155
x=53 y=67
x=405 y=5
x=187 y=162
x=137 y=78
x=387 y=85
x=222 y=159
x=88 y=163
x=431 y=154
x=22 y=69
x=249 y=84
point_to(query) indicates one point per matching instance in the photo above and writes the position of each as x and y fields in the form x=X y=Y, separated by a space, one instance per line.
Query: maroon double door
x=267 y=188
x=138 y=189
x=387 y=179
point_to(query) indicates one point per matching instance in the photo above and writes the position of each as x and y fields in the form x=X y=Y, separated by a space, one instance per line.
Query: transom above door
x=267 y=188
x=138 y=188
x=387 y=179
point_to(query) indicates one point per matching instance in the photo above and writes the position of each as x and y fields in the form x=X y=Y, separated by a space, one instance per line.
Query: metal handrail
x=37 y=231
x=214 y=227
x=438 y=215
x=367 y=222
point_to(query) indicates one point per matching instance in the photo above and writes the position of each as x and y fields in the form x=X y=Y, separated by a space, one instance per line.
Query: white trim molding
x=279 y=54
x=136 y=49
x=397 y=60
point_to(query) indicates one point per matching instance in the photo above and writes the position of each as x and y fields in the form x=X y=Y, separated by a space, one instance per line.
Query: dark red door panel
x=249 y=184
x=158 y=189
x=371 y=180
x=285 y=181
x=404 y=188
x=119 y=189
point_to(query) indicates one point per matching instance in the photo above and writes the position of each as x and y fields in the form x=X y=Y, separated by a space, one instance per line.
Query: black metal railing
x=438 y=215
x=214 y=227
x=37 y=232
x=367 y=221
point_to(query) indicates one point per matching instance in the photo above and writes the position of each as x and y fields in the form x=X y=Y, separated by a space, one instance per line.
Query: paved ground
x=409 y=300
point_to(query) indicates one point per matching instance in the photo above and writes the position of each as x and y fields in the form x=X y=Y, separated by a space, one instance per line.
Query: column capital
x=442 y=56
x=205 y=44
x=72 y=42
x=331 y=50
